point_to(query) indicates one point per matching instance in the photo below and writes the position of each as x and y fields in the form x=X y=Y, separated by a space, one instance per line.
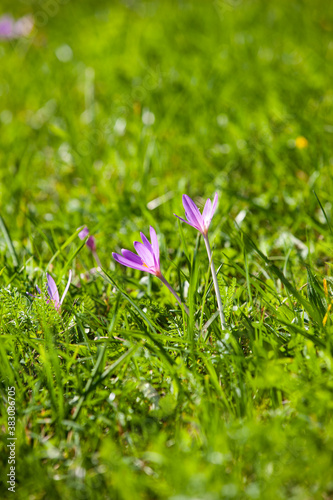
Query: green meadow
x=110 y=111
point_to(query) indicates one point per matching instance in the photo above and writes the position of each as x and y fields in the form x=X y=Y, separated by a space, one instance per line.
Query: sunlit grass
x=109 y=113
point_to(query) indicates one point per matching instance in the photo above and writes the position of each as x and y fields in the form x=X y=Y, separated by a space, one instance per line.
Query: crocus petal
x=192 y=213
x=146 y=256
x=52 y=289
x=83 y=233
x=216 y=197
x=129 y=263
x=67 y=287
x=91 y=243
x=132 y=256
x=38 y=289
x=187 y=222
x=6 y=27
x=208 y=218
x=154 y=244
x=146 y=243
x=190 y=206
x=207 y=210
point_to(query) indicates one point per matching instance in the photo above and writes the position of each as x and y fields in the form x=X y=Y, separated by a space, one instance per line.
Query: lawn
x=110 y=111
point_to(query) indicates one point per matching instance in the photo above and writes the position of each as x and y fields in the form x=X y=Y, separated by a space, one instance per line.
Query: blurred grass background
x=229 y=86
x=109 y=112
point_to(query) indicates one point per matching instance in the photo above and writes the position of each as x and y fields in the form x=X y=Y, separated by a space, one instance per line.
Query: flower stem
x=174 y=293
x=96 y=258
x=216 y=285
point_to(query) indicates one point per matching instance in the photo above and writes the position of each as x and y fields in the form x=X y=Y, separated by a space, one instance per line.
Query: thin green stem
x=216 y=285
x=174 y=293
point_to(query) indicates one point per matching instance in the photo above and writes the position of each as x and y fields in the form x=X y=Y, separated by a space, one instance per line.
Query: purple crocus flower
x=7 y=27
x=91 y=243
x=201 y=222
x=10 y=29
x=147 y=259
x=83 y=233
x=52 y=290
x=194 y=217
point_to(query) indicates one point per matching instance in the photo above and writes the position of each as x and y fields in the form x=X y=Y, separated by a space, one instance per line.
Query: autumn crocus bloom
x=201 y=222
x=91 y=243
x=53 y=293
x=11 y=29
x=6 y=27
x=83 y=233
x=146 y=259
